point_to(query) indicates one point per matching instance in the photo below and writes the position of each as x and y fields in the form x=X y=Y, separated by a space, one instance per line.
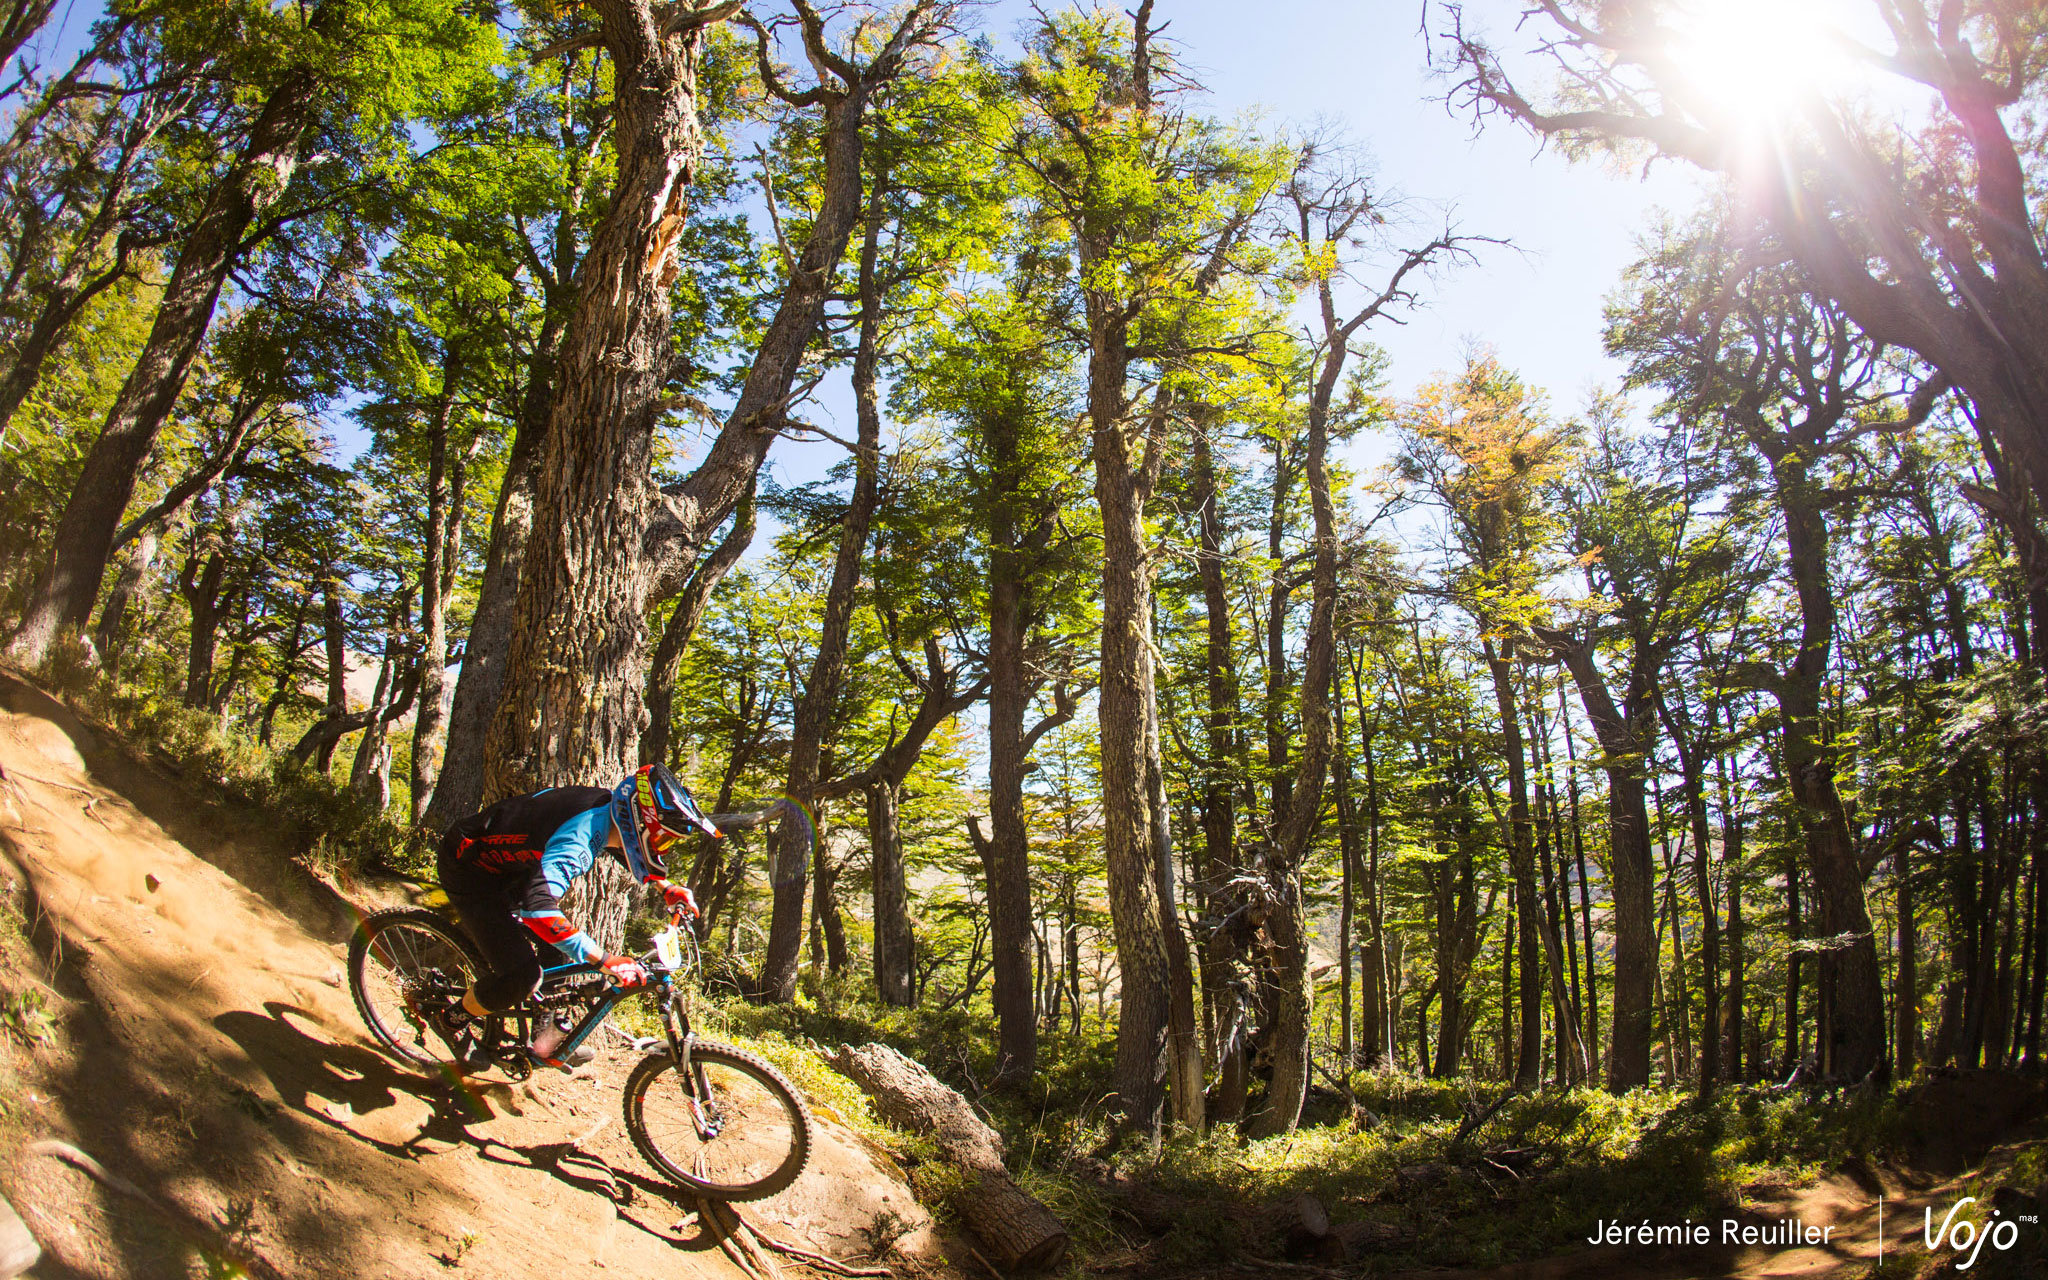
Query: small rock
x=152 y=882
x=18 y=1249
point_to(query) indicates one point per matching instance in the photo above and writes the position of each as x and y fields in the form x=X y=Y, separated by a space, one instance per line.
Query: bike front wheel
x=733 y=1131
x=402 y=965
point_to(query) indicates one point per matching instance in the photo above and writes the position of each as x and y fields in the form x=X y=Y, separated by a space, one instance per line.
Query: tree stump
x=1020 y=1231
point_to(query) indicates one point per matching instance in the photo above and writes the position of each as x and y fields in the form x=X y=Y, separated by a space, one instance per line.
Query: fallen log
x=1021 y=1233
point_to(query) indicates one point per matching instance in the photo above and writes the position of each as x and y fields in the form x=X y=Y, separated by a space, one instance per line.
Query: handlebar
x=649 y=957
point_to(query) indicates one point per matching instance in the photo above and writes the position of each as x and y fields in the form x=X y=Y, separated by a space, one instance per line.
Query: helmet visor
x=678 y=809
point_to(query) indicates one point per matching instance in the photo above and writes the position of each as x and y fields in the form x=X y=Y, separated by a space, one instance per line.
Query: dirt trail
x=206 y=1051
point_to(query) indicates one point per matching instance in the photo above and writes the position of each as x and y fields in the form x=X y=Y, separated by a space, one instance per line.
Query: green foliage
x=27 y=1015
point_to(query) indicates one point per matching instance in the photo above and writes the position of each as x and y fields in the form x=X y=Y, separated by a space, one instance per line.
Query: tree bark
x=1856 y=1012
x=1006 y=854
x=458 y=791
x=569 y=710
x=1023 y=1234
x=604 y=538
x=1225 y=975
x=1623 y=734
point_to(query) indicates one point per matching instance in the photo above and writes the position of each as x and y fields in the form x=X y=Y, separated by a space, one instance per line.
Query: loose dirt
x=201 y=1051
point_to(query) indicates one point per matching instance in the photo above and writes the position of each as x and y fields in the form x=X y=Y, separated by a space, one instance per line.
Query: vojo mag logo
x=1965 y=1238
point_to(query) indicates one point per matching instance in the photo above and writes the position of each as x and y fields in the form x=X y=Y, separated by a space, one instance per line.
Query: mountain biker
x=506 y=868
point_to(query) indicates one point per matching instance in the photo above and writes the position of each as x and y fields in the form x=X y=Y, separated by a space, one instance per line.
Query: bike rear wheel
x=763 y=1137
x=403 y=964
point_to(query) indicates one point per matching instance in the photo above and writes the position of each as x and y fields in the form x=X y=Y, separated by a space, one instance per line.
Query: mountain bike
x=716 y=1119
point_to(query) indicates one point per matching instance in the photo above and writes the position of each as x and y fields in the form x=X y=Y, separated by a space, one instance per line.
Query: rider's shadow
x=353 y=1079
x=306 y=1069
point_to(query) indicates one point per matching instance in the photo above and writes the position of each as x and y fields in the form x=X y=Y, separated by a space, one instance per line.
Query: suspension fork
x=675 y=1022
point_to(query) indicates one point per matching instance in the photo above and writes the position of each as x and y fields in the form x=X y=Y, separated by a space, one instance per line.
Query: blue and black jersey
x=528 y=849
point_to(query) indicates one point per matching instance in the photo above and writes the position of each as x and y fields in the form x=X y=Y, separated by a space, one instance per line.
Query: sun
x=1755 y=63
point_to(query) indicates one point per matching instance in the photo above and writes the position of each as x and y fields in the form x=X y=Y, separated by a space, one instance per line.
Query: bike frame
x=675 y=1021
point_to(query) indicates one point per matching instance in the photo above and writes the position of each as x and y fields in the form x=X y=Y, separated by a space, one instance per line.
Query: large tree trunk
x=1856 y=1013
x=604 y=538
x=1021 y=1232
x=569 y=710
x=437 y=576
x=69 y=585
x=1006 y=855
x=1522 y=866
x=1135 y=910
x=788 y=854
x=1225 y=976
x=892 y=896
x=1623 y=741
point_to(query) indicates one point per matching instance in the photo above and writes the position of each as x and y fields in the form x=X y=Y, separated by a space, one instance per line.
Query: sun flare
x=1752 y=62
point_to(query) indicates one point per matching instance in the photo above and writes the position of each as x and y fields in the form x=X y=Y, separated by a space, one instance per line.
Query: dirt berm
x=173 y=1011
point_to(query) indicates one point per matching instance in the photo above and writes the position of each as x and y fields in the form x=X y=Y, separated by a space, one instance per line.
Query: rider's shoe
x=548 y=1041
x=458 y=1031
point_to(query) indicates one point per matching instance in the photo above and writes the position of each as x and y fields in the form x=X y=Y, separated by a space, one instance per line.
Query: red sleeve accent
x=551 y=928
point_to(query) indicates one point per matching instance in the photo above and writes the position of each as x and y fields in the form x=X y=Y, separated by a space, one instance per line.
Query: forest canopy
x=966 y=459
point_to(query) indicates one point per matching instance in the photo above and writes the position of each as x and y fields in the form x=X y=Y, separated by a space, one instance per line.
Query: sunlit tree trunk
x=458 y=791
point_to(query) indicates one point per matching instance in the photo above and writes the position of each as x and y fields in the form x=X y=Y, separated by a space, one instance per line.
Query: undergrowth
x=1528 y=1181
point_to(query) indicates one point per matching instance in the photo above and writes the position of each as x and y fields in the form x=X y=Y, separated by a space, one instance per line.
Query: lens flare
x=1751 y=64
